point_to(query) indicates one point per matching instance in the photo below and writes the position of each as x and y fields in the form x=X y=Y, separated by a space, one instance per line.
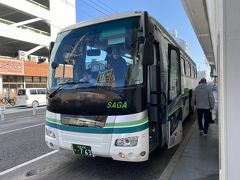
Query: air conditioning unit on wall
x=33 y=58
x=22 y=55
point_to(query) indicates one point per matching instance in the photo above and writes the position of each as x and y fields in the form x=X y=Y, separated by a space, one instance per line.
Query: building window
x=29 y=85
x=44 y=79
x=36 y=79
x=28 y=79
x=16 y=79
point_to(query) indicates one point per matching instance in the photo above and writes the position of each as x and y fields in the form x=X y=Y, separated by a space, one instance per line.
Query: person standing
x=204 y=100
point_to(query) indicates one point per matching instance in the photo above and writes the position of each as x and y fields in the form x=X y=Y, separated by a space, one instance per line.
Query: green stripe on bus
x=109 y=125
x=174 y=110
x=98 y=130
x=131 y=123
x=53 y=120
x=177 y=106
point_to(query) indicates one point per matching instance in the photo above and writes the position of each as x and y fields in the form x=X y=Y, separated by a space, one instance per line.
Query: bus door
x=154 y=95
x=174 y=109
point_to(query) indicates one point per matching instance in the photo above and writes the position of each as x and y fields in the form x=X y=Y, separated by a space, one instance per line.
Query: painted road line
x=166 y=174
x=16 y=110
x=6 y=132
x=28 y=162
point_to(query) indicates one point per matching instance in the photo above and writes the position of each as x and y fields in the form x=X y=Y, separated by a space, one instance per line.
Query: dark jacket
x=119 y=67
x=203 y=97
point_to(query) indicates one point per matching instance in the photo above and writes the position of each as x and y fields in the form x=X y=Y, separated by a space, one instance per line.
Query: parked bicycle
x=7 y=100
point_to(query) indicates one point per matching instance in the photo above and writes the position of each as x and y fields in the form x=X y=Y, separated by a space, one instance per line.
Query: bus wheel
x=164 y=147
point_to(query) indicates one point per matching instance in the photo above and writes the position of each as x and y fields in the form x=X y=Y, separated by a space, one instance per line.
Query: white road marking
x=22 y=128
x=16 y=110
x=28 y=162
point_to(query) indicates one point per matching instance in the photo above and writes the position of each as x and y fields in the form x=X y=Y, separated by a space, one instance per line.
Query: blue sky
x=170 y=13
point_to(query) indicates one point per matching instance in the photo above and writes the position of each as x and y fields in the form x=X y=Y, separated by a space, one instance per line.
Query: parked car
x=31 y=97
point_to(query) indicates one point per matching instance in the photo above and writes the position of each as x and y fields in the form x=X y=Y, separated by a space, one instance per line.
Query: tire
x=35 y=103
x=12 y=102
x=165 y=147
x=4 y=101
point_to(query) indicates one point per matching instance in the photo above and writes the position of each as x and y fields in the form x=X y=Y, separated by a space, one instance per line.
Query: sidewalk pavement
x=200 y=158
x=16 y=109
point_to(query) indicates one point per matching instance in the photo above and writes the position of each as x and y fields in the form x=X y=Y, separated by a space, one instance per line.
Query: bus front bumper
x=101 y=145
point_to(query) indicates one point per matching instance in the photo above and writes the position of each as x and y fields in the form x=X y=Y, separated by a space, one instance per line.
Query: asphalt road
x=21 y=138
x=21 y=117
x=20 y=146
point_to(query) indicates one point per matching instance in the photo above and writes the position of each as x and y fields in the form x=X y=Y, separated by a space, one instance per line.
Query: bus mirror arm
x=50 y=48
x=163 y=98
x=43 y=59
x=148 y=56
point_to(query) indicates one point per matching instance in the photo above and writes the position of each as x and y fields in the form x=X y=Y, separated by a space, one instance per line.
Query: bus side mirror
x=148 y=57
x=50 y=48
x=54 y=65
x=41 y=60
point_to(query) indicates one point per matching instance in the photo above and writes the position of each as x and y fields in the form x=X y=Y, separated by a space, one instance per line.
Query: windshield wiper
x=100 y=87
x=61 y=87
x=76 y=45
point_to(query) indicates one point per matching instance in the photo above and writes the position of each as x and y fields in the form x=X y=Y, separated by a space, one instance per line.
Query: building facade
x=216 y=25
x=26 y=29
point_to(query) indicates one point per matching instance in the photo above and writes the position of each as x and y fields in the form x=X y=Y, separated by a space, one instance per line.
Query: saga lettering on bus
x=117 y=105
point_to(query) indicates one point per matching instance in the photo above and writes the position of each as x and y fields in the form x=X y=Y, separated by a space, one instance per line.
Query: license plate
x=82 y=150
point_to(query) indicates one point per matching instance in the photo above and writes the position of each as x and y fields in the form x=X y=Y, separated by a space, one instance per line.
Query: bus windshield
x=105 y=54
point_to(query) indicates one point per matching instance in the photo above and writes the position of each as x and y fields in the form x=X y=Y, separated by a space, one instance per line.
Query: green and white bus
x=118 y=87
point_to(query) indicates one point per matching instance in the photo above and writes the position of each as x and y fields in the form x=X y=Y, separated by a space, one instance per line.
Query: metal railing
x=9 y=112
x=38 y=4
x=4 y=21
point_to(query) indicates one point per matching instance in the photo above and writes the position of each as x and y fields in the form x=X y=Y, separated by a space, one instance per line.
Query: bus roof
x=126 y=15
x=171 y=39
x=103 y=19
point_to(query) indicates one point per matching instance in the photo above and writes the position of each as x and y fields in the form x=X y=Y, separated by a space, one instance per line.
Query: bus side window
x=183 y=72
x=174 y=74
x=195 y=73
x=187 y=65
x=192 y=72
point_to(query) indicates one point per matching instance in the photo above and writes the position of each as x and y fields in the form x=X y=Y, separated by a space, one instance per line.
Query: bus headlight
x=127 y=142
x=50 y=133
